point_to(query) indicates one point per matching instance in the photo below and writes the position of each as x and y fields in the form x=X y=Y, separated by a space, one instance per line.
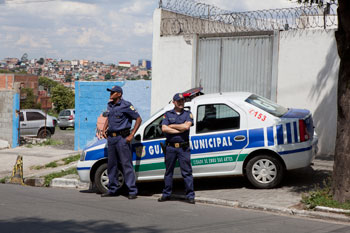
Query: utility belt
x=178 y=144
x=124 y=133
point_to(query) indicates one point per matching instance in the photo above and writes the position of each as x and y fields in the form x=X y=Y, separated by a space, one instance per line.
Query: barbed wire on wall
x=198 y=18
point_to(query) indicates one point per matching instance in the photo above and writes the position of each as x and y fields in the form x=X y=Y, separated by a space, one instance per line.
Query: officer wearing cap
x=119 y=120
x=176 y=126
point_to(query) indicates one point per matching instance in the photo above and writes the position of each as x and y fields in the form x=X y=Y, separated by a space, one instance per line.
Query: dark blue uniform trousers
x=119 y=152
x=184 y=157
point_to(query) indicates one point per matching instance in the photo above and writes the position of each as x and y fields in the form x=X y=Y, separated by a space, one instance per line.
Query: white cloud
x=137 y=7
x=143 y=28
x=31 y=41
x=106 y=30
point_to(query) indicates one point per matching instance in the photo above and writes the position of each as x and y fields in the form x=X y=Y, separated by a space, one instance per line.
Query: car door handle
x=239 y=138
x=24 y=124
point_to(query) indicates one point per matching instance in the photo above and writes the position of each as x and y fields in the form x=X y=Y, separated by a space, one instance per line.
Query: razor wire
x=198 y=18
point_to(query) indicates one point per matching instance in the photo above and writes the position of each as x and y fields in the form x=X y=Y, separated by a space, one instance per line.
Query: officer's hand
x=129 y=138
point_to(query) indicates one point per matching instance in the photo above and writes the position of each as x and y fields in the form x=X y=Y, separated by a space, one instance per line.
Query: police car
x=237 y=133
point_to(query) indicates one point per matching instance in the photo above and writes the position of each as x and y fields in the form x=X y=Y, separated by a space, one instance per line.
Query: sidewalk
x=37 y=155
x=232 y=192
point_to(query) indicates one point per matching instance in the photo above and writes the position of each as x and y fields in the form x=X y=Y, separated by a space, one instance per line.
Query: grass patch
x=323 y=197
x=50 y=142
x=52 y=164
x=71 y=159
x=50 y=177
x=3 y=180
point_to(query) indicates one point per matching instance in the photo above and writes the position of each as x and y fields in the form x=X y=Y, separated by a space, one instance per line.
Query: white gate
x=238 y=63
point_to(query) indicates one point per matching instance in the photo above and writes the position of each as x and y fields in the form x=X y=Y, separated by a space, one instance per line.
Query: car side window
x=21 y=117
x=34 y=116
x=154 y=130
x=216 y=117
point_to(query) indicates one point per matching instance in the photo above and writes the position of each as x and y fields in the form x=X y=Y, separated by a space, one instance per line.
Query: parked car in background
x=66 y=118
x=236 y=133
x=34 y=123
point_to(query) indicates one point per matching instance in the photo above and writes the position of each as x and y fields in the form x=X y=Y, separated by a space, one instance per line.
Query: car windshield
x=267 y=105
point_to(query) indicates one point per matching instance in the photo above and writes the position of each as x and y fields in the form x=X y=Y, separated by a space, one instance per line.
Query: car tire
x=264 y=171
x=101 y=178
x=63 y=128
x=44 y=133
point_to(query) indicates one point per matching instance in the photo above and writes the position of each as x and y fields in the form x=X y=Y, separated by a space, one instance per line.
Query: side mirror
x=137 y=137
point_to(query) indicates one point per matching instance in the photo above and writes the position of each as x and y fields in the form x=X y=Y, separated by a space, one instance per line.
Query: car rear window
x=65 y=113
x=267 y=105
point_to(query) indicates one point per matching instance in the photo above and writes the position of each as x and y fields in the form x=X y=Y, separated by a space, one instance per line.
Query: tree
x=69 y=78
x=62 y=97
x=47 y=83
x=341 y=168
x=41 y=61
x=108 y=76
x=28 y=99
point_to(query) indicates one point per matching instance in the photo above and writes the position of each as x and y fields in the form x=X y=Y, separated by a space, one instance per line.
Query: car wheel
x=264 y=171
x=101 y=178
x=63 y=128
x=44 y=133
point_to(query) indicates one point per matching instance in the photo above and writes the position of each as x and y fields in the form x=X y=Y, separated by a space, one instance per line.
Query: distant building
x=145 y=64
x=124 y=64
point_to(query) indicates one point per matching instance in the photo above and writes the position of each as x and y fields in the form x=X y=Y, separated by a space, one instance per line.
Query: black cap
x=116 y=89
x=178 y=96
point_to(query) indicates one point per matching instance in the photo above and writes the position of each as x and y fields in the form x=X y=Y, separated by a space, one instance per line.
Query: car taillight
x=304 y=135
x=70 y=117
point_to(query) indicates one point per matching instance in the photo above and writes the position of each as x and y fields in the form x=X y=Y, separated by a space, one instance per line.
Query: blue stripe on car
x=289 y=133
x=270 y=138
x=295 y=131
x=295 y=151
x=279 y=134
x=256 y=138
x=83 y=168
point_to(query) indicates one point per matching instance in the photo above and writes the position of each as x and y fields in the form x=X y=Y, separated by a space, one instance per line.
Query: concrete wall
x=307 y=73
x=307 y=78
x=9 y=119
x=91 y=100
x=172 y=65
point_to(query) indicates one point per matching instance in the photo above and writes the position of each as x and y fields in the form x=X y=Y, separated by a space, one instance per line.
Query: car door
x=35 y=120
x=23 y=124
x=217 y=138
x=148 y=154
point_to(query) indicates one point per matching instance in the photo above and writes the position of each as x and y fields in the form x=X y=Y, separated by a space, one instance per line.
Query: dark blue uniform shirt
x=120 y=115
x=171 y=117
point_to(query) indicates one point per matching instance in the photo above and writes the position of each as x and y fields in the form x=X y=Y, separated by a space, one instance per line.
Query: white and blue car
x=236 y=133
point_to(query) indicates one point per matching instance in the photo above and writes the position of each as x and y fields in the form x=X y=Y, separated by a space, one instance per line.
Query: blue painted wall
x=15 y=120
x=91 y=100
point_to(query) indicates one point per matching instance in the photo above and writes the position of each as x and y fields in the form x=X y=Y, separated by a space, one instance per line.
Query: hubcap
x=105 y=179
x=264 y=171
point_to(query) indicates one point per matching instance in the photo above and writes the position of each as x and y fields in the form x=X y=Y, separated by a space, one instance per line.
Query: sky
x=97 y=30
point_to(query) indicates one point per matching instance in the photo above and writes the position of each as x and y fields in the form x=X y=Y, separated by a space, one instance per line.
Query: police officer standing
x=176 y=126
x=120 y=116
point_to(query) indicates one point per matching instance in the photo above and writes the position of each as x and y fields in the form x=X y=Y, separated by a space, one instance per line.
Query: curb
x=338 y=216
x=68 y=183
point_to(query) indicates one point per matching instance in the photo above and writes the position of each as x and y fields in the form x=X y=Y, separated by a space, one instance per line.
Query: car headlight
x=82 y=156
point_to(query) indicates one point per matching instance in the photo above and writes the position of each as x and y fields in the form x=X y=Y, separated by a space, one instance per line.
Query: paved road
x=66 y=136
x=29 y=209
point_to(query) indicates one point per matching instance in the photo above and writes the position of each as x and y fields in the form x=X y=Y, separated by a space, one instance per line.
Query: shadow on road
x=43 y=225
